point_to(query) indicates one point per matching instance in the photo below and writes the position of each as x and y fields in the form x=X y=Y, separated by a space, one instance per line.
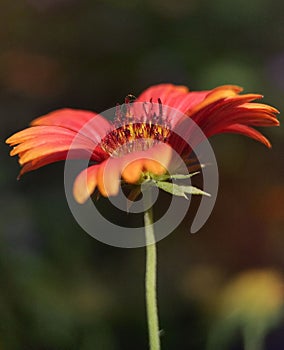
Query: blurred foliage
x=251 y=303
x=61 y=289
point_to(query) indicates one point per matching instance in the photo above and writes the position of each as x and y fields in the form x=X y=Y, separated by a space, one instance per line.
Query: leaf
x=195 y=190
x=180 y=190
x=171 y=188
x=163 y=177
x=182 y=176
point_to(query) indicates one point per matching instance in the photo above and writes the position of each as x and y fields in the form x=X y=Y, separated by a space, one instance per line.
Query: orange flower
x=143 y=141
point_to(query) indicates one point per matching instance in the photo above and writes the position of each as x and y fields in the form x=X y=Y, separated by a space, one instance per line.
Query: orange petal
x=44 y=160
x=41 y=145
x=216 y=94
x=108 y=177
x=132 y=172
x=52 y=143
x=85 y=184
x=156 y=160
x=40 y=132
x=154 y=167
x=49 y=149
x=260 y=107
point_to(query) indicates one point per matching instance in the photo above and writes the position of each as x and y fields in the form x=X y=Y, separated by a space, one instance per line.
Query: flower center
x=134 y=137
x=140 y=126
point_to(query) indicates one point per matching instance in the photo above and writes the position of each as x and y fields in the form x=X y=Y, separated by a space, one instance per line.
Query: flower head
x=141 y=138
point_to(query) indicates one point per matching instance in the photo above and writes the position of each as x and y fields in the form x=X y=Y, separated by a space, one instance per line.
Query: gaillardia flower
x=139 y=140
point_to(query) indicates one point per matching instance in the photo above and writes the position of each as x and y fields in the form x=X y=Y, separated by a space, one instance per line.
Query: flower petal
x=162 y=92
x=109 y=174
x=88 y=123
x=133 y=171
x=182 y=101
x=214 y=95
x=227 y=112
x=180 y=98
x=157 y=160
x=154 y=167
x=51 y=140
x=45 y=160
x=40 y=145
x=247 y=131
x=85 y=184
x=41 y=131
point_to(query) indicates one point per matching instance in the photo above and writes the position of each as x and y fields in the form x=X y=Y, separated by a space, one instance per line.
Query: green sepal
x=166 y=177
x=182 y=176
x=180 y=190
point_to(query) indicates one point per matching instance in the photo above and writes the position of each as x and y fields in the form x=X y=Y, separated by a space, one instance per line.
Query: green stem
x=151 y=278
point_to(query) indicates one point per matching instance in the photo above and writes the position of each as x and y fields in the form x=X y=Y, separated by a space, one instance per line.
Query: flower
x=142 y=136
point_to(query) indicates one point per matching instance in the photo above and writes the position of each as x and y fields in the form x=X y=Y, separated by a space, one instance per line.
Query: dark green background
x=60 y=288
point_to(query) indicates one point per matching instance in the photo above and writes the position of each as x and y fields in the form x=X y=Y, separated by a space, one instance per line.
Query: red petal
x=180 y=98
x=183 y=102
x=97 y=126
x=247 y=131
x=161 y=91
x=235 y=110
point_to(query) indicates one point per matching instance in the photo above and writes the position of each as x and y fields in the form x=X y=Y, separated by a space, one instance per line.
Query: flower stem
x=151 y=277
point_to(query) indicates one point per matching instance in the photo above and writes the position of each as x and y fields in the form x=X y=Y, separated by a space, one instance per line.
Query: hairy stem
x=151 y=278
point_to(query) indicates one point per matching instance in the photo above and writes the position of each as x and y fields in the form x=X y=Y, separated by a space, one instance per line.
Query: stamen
x=136 y=132
x=134 y=137
x=160 y=107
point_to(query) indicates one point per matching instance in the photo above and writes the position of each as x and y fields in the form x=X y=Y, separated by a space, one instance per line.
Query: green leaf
x=151 y=176
x=195 y=190
x=163 y=177
x=180 y=190
x=171 y=188
x=182 y=176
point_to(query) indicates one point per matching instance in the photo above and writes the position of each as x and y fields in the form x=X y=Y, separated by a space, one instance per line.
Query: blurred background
x=60 y=288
